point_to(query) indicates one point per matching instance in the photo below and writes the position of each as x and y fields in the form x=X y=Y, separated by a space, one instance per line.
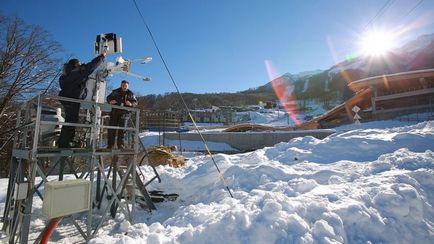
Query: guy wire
x=181 y=97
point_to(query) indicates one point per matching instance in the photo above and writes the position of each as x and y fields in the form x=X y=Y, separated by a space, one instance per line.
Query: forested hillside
x=172 y=101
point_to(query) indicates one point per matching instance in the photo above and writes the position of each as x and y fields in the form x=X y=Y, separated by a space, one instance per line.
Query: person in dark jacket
x=72 y=82
x=121 y=97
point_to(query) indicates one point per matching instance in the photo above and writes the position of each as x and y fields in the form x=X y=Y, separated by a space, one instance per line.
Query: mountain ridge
x=328 y=87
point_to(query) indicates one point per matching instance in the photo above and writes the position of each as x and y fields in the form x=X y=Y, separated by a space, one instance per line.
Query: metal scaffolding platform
x=117 y=183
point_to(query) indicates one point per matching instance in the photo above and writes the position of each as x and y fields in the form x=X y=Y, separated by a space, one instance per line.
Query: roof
x=380 y=79
x=336 y=112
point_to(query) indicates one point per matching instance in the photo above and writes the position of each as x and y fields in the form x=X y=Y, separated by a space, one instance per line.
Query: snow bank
x=361 y=186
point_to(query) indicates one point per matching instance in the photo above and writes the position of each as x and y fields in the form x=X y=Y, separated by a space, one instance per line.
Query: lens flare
x=284 y=91
x=349 y=58
x=376 y=42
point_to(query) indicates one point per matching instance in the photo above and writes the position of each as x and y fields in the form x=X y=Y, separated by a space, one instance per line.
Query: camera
x=110 y=42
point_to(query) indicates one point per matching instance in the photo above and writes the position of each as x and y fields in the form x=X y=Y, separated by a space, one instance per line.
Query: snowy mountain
x=303 y=75
x=290 y=77
x=414 y=55
x=412 y=48
x=329 y=87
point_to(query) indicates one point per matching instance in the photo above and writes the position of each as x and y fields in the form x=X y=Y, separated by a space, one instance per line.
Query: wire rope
x=181 y=97
x=380 y=12
x=411 y=10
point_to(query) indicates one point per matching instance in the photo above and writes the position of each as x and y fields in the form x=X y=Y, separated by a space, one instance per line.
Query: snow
x=415 y=46
x=358 y=63
x=367 y=183
x=306 y=85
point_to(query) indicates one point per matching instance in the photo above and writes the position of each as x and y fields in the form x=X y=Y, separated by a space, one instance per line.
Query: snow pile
x=368 y=185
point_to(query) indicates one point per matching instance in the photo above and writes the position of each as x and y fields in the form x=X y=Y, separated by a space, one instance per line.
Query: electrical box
x=20 y=191
x=67 y=197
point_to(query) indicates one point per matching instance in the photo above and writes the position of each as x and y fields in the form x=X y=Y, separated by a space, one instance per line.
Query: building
x=160 y=120
x=384 y=97
x=399 y=94
x=215 y=115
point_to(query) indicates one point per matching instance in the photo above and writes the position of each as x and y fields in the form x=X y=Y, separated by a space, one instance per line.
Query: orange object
x=50 y=229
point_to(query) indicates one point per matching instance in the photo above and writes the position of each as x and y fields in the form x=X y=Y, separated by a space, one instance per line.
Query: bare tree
x=29 y=63
x=28 y=60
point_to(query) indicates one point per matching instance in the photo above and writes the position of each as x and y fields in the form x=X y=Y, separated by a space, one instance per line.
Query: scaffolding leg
x=142 y=189
x=144 y=192
x=114 y=179
x=9 y=200
x=98 y=188
x=15 y=217
x=27 y=212
x=104 y=188
x=61 y=168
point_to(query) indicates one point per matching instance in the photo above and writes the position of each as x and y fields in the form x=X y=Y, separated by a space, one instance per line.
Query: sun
x=376 y=43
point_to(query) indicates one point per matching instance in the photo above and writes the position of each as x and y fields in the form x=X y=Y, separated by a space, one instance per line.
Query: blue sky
x=222 y=46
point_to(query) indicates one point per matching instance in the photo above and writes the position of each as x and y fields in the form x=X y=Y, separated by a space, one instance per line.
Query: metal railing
x=35 y=156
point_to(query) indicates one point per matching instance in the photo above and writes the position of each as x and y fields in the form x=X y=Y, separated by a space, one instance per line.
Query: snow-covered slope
x=372 y=183
x=293 y=77
x=416 y=46
x=360 y=186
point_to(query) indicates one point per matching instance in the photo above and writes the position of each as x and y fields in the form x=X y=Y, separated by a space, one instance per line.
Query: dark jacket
x=121 y=97
x=73 y=82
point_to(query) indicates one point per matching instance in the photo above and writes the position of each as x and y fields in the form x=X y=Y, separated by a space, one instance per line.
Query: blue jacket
x=73 y=83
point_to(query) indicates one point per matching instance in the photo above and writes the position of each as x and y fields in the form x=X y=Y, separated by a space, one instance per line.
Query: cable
x=181 y=97
x=55 y=77
x=415 y=6
x=380 y=12
x=51 y=82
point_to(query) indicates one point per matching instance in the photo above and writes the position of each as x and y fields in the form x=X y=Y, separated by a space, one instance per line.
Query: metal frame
x=29 y=153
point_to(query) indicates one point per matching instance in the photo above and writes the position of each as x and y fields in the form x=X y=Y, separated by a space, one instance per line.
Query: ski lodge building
x=383 y=97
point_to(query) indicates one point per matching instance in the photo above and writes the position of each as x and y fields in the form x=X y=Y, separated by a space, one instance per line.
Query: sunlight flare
x=376 y=43
x=284 y=91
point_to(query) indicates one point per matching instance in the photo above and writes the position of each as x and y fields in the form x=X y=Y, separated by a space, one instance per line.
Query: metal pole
x=94 y=138
x=114 y=179
x=24 y=236
x=12 y=175
x=134 y=170
x=61 y=167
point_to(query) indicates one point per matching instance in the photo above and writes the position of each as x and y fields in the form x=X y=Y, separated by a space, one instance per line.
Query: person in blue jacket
x=72 y=82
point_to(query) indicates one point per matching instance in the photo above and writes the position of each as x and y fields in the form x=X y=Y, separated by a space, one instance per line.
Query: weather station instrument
x=111 y=44
x=35 y=163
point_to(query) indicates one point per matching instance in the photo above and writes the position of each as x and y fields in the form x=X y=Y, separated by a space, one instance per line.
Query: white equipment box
x=91 y=91
x=67 y=197
x=20 y=191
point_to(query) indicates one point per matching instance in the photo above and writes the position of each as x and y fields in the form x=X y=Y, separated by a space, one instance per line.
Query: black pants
x=67 y=133
x=116 y=119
